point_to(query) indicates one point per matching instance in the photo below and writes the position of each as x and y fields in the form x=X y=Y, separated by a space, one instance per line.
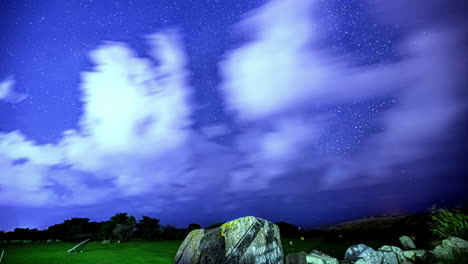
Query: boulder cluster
x=252 y=240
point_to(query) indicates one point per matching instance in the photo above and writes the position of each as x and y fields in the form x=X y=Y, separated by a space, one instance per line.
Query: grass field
x=162 y=252
x=145 y=252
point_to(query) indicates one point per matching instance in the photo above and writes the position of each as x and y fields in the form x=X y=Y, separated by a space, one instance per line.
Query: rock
x=455 y=242
x=451 y=246
x=359 y=251
x=389 y=257
x=246 y=240
x=363 y=254
x=189 y=249
x=297 y=258
x=317 y=257
x=441 y=252
x=398 y=252
x=414 y=255
x=407 y=243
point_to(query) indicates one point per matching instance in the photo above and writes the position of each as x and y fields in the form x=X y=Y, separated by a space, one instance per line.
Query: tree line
x=119 y=228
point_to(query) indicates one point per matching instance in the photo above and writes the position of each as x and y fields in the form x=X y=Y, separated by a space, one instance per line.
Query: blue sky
x=305 y=111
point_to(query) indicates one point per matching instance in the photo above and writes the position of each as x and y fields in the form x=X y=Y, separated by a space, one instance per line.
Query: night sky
x=310 y=112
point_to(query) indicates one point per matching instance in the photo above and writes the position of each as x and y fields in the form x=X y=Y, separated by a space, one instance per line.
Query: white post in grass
x=1 y=257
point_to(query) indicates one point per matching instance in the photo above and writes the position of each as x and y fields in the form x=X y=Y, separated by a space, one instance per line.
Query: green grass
x=144 y=252
x=447 y=223
x=162 y=252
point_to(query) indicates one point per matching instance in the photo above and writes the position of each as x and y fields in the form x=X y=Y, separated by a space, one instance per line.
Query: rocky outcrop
x=247 y=240
x=362 y=254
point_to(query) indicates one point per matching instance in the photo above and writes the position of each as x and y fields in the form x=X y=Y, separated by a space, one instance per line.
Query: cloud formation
x=283 y=73
x=7 y=93
x=136 y=139
x=133 y=132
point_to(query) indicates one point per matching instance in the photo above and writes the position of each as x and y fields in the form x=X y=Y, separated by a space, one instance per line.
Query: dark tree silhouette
x=288 y=230
x=148 y=228
x=193 y=226
x=215 y=225
x=124 y=226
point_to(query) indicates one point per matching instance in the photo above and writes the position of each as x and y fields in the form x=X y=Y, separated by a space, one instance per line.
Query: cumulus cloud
x=133 y=132
x=7 y=93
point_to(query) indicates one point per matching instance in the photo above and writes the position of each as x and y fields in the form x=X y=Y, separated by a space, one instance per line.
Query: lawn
x=161 y=252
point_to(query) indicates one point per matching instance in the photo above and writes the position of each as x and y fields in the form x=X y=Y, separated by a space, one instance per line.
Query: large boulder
x=451 y=246
x=407 y=243
x=317 y=257
x=247 y=240
x=296 y=258
x=455 y=242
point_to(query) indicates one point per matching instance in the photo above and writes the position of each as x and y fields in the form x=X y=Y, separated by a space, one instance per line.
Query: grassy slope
x=96 y=253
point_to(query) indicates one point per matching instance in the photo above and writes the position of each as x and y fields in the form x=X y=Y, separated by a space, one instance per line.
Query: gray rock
x=398 y=252
x=415 y=255
x=389 y=257
x=317 y=257
x=296 y=258
x=353 y=253
x=455 y=242
x=363 y=254
x=441 y=252
x=246 y=240
x=451 y=246
x=407 y=243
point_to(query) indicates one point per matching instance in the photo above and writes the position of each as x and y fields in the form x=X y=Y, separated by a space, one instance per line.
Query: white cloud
x=133 y=131
x=283 y=67
x=7 y=92
x=282 y=71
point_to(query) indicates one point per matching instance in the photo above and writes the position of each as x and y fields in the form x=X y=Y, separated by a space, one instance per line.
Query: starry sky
x=306 y=111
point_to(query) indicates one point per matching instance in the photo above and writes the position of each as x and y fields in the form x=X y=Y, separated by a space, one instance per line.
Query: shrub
x=447 y=223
